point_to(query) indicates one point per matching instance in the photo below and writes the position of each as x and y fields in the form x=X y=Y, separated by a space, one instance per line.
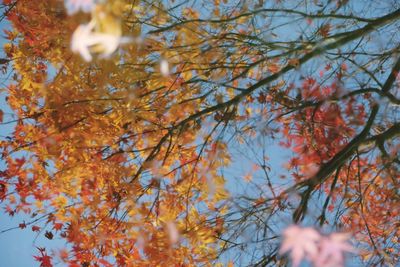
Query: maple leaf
x=63 y=254
x=262 y=98
x=44 y=259
x=9 y=210
x=49 y=235
x=3 y=190
x=301 y=242
x=58 y=226
x=273 y=67
x=324 y=30
x=35 y=228
x=332 y=249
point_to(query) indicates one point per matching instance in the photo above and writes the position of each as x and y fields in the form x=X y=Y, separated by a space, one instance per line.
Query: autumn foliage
x=192 y=133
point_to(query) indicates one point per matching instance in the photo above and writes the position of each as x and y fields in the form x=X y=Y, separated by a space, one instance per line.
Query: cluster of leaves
x=306 y=243
x=129 y=156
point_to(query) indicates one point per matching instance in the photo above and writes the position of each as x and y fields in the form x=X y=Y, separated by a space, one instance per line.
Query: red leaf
x=49 y=235
x=324 y=30
x=9 y=210
x=44 y=259
x=261 y=98
x=57 y=226
x=3 y=190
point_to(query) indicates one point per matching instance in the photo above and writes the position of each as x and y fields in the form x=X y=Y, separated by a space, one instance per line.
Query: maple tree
x=130 y=119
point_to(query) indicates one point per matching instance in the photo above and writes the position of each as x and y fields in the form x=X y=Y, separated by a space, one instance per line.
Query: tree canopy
x=192 y=133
